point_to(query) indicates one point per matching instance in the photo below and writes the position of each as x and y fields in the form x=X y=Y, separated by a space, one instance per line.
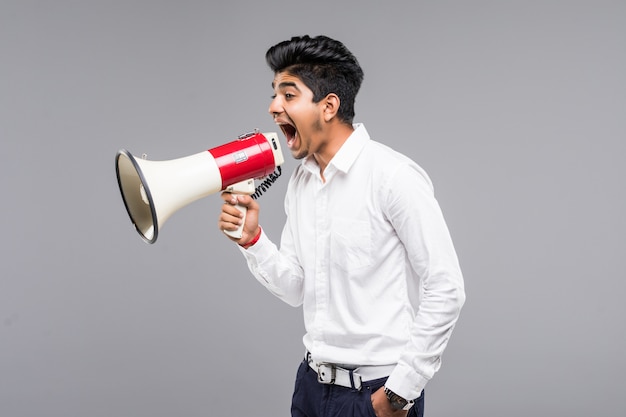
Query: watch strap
x=396 y=401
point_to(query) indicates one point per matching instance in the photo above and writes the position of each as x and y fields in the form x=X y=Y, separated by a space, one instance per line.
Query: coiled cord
x=267 y=183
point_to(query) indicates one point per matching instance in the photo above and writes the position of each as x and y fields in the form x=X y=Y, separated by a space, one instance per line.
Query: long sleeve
x=420 y=225
x=276 y=269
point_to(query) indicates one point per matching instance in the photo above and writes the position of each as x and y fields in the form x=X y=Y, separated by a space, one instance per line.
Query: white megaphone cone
x=154 y=190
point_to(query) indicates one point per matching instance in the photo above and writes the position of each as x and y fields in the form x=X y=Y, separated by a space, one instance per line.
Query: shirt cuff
x=405 y=382
x=259 y=248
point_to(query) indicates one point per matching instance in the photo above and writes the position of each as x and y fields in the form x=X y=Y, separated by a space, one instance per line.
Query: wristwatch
x=397 y=402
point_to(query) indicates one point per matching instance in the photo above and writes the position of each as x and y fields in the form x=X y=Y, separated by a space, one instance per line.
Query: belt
x=329 y=373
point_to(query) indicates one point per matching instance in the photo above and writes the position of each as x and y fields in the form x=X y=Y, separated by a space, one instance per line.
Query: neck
x=336 y=135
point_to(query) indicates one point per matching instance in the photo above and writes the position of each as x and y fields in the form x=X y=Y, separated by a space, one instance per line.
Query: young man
x=365 y=248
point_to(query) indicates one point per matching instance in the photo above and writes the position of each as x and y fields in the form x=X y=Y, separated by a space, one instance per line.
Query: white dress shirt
x=368 y=254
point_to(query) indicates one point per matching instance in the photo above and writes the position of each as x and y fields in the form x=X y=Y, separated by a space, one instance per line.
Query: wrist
x=254 y=240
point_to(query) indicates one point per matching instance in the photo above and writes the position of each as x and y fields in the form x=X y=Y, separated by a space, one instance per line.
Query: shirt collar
x=347 y=154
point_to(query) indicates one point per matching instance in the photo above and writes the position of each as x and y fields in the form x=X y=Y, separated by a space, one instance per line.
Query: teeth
x=291 y=141
x=290 y=133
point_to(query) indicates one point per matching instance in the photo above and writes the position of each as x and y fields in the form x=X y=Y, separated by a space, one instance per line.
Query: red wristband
x=254 y=240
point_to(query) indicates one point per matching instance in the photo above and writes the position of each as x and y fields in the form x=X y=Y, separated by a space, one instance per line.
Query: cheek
x=317 y=125
x=304 y=116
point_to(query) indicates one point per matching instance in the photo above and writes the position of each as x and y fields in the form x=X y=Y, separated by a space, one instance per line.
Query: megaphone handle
x=242 y=187
x=239 y=232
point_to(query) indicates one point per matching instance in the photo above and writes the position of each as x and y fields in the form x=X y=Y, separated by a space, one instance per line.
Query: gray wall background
x=515 y=108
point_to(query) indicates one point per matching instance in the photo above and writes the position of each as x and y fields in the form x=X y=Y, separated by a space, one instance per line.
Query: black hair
x=324 y=65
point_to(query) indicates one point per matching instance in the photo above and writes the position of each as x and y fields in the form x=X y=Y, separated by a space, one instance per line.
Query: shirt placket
x=322 y=253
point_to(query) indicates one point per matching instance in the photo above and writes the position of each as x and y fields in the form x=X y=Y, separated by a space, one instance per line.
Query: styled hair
x=324 y=65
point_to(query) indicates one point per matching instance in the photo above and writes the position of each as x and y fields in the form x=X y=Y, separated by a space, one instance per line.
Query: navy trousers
x=314 y=399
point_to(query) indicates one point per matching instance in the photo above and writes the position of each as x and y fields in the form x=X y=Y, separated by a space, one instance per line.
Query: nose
x=275 y=107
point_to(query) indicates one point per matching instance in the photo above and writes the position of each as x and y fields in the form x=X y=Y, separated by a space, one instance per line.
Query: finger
x=229 y=197
x=227 y=226
x=231 y=210
x=246 y=201
x=231 y=217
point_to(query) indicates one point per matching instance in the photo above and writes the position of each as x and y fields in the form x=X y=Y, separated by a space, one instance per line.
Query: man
x=365 y=248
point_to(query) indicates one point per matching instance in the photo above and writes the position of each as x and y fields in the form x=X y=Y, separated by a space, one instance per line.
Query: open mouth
x=290 y=133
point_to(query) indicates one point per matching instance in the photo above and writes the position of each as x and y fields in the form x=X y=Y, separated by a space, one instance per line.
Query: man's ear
x=331 y=106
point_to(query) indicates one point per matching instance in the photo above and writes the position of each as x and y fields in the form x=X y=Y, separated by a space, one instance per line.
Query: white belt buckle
x=326 y=373
x=330 y=374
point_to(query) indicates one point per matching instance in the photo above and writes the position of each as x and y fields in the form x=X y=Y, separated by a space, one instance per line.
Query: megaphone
x=154 y=190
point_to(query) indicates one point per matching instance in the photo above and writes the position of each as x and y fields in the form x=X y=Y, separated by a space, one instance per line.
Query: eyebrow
x=286 y=84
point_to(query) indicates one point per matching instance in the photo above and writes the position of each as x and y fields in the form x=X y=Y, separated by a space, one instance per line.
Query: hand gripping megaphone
x=153 y=190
